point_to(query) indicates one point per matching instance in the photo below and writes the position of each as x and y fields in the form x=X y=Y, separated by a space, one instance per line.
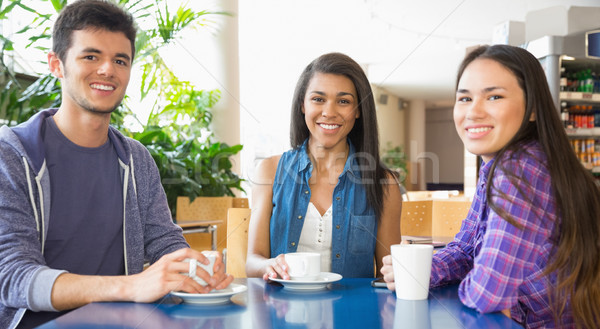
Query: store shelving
x=584 y=134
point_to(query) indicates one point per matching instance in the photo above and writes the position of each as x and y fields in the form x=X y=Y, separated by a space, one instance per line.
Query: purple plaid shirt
x=498 y=265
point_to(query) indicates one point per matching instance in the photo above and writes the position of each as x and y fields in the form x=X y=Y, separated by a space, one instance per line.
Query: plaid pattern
x=498 y=265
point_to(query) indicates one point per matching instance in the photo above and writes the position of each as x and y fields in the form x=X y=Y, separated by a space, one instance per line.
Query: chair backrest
x=203 y=208
x=240 y=203
x=433 y=217
x=207 y=208
x=238 y=220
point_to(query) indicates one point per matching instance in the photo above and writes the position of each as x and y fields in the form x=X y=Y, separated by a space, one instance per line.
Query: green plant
x=177 y=130
x=18 y=102
x=178 y=139
x=395 y=159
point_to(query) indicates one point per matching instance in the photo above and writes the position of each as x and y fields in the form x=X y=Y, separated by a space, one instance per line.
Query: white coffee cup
x=305 y=266
x=193 y=264
x=412 y=270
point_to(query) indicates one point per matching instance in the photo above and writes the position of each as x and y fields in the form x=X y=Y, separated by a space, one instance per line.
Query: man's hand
x=169 y=274
x=166 y=275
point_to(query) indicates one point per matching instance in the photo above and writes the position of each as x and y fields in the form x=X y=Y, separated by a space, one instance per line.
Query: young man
x=81 y=206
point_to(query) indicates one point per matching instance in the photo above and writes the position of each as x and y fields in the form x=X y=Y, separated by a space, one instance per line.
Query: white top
x=316 y=235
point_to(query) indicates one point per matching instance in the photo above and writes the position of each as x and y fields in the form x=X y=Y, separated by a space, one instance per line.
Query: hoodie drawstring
x=32 y=199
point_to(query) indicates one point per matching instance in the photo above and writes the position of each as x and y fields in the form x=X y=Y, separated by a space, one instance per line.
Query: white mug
x=194 y=264
x=303 y=265
x=412 y=269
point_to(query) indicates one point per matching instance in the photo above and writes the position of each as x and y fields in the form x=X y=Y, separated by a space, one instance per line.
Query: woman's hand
x=277 y=267
x=388 y=272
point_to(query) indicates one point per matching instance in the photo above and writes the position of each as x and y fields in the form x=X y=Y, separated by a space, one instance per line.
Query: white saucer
x=320 y=283
x=214 y=297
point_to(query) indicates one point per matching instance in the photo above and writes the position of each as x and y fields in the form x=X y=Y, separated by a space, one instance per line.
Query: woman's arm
x=258 y=261
x=509 y=255
x=388 y=230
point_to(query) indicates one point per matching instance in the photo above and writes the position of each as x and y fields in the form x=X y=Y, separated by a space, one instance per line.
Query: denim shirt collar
x=350 y=166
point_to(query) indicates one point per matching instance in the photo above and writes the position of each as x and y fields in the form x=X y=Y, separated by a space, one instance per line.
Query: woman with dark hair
x=530 y=242
x=330 y=194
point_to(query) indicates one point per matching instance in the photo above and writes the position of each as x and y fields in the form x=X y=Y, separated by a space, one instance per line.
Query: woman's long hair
x=364 y=135
x=576 y=255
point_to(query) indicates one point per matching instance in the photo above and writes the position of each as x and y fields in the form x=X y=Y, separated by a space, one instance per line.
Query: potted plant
x=395 y=159
x=177 y=135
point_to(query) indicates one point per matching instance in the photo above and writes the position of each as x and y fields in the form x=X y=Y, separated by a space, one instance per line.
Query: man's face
x=96 y=70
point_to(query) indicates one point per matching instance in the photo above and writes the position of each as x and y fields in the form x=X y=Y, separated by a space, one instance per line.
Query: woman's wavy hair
x=576 y=254
x=364 y=135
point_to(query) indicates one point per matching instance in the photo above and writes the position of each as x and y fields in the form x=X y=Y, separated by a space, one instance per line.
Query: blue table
x=349 y=303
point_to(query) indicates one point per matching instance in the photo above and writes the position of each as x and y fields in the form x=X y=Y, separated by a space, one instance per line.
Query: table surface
x=348 y=303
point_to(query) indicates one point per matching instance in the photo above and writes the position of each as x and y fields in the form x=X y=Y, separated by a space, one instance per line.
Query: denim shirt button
x=337 y=256
x=337 y=198
x=306 y=192
x=293 y=244
x=299 y=216
x=337 y=226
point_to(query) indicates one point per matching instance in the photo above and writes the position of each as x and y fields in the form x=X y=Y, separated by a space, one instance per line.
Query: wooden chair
x=440 y=218
x=240 y=203
x=207 y=209
x=238 y=220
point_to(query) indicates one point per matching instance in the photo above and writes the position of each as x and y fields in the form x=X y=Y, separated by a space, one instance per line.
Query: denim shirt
x=354 y=227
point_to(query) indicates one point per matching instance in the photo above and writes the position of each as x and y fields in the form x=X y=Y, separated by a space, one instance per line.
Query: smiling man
x=81 y=206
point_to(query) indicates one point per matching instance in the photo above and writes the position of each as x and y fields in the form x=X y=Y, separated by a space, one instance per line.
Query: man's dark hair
x=91 y=14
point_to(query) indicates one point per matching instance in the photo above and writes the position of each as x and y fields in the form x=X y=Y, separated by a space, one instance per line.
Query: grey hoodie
x=25 y=280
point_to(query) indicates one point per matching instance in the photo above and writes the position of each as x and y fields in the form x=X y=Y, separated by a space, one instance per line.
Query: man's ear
x=55 y=65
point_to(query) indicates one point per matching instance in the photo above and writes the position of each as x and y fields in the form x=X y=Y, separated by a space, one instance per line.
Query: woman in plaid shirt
x=530 y=242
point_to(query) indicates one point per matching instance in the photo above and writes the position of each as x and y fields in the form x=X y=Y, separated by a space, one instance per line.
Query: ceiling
x=425 y=66
x=409 y=48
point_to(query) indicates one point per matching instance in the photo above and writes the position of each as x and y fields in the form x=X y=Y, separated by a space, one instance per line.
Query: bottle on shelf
x=564 y=115
x=564 y=81
x=589 y=81
x=572 y=82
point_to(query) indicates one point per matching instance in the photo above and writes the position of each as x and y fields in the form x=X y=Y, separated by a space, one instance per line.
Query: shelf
x=583 y=132
x=591 y=167
x=579 y=96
